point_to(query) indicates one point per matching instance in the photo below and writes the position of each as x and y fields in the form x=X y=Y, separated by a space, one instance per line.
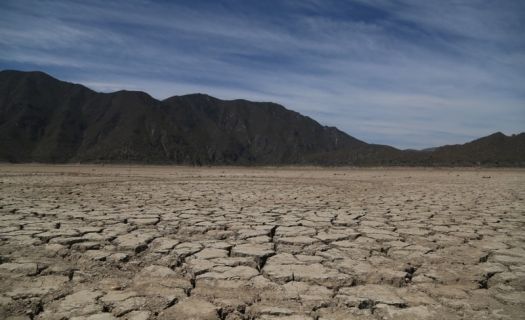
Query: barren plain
x=133 y=242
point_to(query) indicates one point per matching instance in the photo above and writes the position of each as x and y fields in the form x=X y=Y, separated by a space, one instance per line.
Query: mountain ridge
x=44 y=119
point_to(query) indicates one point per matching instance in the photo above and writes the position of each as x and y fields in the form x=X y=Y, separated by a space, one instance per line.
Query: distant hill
x=496 y=149
x=43 y=119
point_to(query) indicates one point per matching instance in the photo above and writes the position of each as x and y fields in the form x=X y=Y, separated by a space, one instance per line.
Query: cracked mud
x=138 y=243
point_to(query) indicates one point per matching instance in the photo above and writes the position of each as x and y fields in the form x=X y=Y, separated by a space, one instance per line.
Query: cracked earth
x=138 y=243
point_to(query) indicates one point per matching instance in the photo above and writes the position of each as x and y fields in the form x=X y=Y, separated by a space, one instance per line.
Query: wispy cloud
x=407 y=73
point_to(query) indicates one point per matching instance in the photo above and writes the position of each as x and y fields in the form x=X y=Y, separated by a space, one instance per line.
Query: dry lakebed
x=93 y=242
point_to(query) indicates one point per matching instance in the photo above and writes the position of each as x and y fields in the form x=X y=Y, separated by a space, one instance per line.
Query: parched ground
x=95 y=242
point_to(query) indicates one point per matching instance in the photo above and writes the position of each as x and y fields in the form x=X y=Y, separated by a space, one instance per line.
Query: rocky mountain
x=496 y=149
x=43 y=119
x=46 y=120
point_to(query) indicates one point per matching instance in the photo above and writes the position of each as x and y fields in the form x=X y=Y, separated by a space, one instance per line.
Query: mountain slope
x=47 y=120
x=496 y=149
x=43 y=119
x=39 y=117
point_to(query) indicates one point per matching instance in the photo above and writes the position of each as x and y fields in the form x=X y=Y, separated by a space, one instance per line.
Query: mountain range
x=43 y=119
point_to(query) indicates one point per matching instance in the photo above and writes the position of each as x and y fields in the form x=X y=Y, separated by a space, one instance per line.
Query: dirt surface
x=107 y=242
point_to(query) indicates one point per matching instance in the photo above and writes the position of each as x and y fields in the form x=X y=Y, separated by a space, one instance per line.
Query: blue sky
x=409 y=73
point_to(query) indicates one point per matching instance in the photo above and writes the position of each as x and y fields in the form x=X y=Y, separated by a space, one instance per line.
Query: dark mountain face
x=496 y=149
x=43 y=119
x=40 y=117
x=47 y=120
